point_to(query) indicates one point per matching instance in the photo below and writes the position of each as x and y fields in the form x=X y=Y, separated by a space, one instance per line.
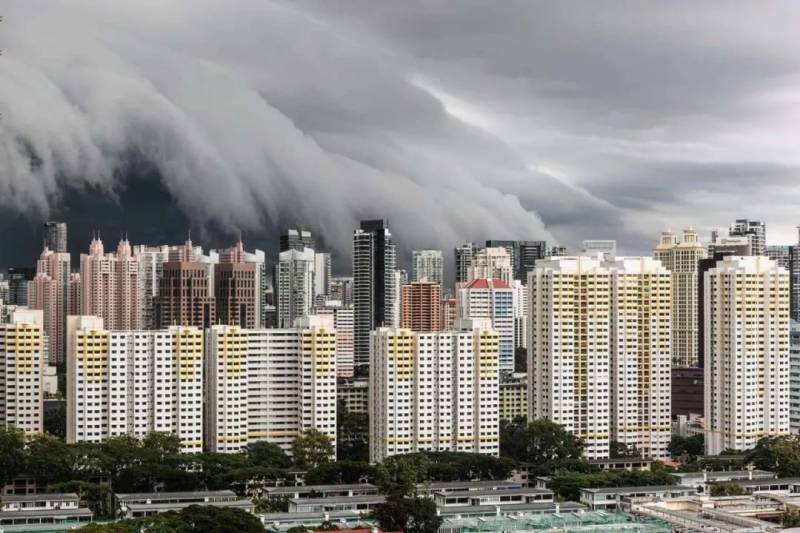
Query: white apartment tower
x=134 y=383
x=491 y=299
x=22 y=360
x=599 y=350
x=427 y=265
x=746 y=352
x=491 y=263
x=295 y=279
x=681 y=259
x=269 y=385
x=434 y=391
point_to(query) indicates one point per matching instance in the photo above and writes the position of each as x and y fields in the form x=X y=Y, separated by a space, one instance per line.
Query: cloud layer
x=457 y=121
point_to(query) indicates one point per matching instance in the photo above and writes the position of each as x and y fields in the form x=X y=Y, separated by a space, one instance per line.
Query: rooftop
x=376 y=498
x=320 y=488
x=503 y=492
x=445 y=485
x=652 y=488
x=176 y=495
x=53 y=496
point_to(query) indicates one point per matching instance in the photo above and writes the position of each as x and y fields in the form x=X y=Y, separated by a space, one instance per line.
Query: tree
x=267 y=454
x=457 y=466
x=619 y=450
x=728 y=489
x=192 y=519
x=352 y=433
x=567 y=484
x=777 y=454
x=411 y=515
x=55 y=420
x=687 y=448
x=543 y=444
x=49 y=459
x=399 y=475
x=790 y=518
x=340 y=472
x=311 y=449
x=12 y=456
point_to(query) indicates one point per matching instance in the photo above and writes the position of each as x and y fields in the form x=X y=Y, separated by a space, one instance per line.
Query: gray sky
x=458 y=120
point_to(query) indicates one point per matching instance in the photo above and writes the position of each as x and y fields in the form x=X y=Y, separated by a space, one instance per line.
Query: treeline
x=126 y=464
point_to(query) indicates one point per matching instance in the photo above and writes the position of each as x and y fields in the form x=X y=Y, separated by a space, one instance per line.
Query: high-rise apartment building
x=746 y=352
x=682 y=258
x=22 y=361
x=18 y=278
x=269 y=385
x=55 y=236
x=295 y=284
x=185 y=290
x=342 y=322
x=794 y=377
x=134 y=383
x=433 y=392
x=754 y=230
x=342 y=290
x=427 y=265
x=528 y=254
x=492 y=300
x=296 y=240
x=491 y=263
x=794 y=278
x=779 y=254
x=599 y=350
x=110 y=286
x=449 y=313
x=421 y=306
x=322 y=275
x=151 y=261
x=49 y=291
x=520 y=303
x=374 y=284
x=513 y=396
x=718 y=249
x=237 y=288
x=463 y=260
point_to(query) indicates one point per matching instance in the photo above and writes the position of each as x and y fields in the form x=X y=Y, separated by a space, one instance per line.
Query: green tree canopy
x=411 y=515
x=777 y=454
x=12 y=456
x=267 y=454
x=192 y=519
x=312 y=449
x=542 y=444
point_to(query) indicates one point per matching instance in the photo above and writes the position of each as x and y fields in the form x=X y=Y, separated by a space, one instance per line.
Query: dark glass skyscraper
x=296 y=240
x=374 y=284
x=55 y=236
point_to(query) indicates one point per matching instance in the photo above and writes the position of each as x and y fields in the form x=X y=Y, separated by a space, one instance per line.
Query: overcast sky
x=456 y=120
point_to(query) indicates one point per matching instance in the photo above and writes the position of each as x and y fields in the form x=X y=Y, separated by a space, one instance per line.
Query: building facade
x=22 y=361
x=110 y=286
x=421 y=306
x=186 y=289
x=682 y=259
x=491 y=263
x=269 y=385
x=754 y=230
x=295 y=284
x=134 y=383
x=49 y=291
x=374 y=284
x=491 y=299
x=746 y=352
x=433 y=392
x=599 y=351
x=463 y=259
x=55 y=236
x=427 y=265
x=237 y=288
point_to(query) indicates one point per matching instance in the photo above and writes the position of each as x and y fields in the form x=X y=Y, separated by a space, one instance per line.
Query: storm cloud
x=456 y=120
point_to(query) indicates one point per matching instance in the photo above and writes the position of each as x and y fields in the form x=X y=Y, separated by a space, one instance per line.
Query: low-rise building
x=136 y=505
x=701 y=480
x=476 y=498
x=610 y=497
x=321 y=491
x=361 y=504
x=57 y=509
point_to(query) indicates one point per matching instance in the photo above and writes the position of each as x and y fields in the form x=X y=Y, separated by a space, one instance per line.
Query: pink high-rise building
x=49 y=291
x=109 y=285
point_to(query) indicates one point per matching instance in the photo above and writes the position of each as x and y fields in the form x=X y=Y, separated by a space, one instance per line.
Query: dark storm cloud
x=457 y=120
